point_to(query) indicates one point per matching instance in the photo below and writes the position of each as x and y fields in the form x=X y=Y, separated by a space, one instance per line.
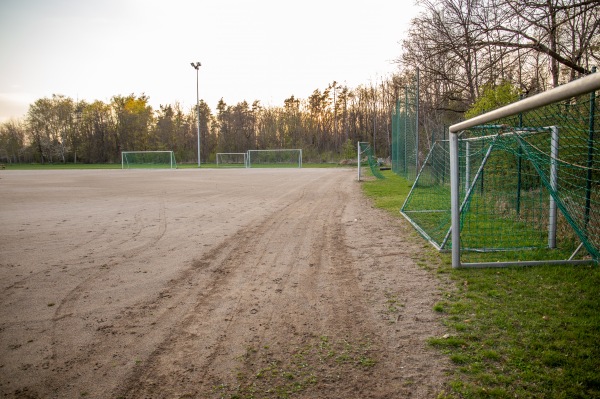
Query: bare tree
x=563 y=30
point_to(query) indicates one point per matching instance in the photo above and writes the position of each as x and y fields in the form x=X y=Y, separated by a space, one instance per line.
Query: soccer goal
x=504 y=204
x=148 y=159
x=537 y=187
x=522 y=190
x=365 y=151
x=232 y=159
x=281 y=158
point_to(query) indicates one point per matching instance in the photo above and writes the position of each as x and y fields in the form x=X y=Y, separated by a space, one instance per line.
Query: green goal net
x=278 y=158
x=367 y=157
x=232 y=159
x=405 y=143
x=148 y=159
x=526 y=182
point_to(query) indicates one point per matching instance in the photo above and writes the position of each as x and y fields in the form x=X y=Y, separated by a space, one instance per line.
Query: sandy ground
x=209 y=284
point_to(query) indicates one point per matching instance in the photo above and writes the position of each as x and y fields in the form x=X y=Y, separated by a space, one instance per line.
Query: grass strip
x=513 y=332
x=61 y=166
x=72 y=166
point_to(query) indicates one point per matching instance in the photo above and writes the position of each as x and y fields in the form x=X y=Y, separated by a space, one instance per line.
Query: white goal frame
x=245 y=154
x=172 y=163
x=250 y=152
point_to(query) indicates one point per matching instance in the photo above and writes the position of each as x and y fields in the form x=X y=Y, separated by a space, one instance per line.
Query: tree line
x=59 y=129
x=462 y=50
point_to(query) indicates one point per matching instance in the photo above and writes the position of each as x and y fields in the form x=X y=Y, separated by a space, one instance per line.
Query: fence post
x=417 y=126
x=358 y=163
x=405 y=131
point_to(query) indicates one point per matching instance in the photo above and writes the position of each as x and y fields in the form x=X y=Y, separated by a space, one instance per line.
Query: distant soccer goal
x=232 y=159
x=148 y=159
x=282 y=158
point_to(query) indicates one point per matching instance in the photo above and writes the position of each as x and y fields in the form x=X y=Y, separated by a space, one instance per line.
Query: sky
x=266 y=50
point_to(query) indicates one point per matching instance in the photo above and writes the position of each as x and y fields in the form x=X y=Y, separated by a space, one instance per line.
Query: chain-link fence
x=405 y=142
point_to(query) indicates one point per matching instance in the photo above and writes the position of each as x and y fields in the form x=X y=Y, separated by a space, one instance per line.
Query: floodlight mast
x=196 y=66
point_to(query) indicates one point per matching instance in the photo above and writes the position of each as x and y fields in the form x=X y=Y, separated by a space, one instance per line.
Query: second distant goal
x=281 y=158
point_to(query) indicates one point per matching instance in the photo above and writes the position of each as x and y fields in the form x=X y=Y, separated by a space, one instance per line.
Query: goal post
x=148 y=160
x=232 y=159
x=365 y=150
x=279 y=158
x=537 y=166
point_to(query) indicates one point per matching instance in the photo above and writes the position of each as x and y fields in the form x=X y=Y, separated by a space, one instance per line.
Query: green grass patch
x=514 y=332
x=525 y=332
x=289 y=371
x=71 y=166
x=388 y=193
x=61 y=166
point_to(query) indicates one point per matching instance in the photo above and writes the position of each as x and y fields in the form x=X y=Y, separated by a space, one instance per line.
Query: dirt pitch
x=209 y=284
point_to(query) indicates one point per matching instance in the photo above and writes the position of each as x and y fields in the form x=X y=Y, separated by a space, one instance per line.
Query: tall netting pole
x=590 y=157
x=405 y=131
x=417 y=124
x=358 y=160
x=396 y=138
x=405 y=122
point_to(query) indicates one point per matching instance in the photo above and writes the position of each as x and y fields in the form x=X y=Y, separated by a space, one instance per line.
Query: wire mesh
x=404 y=133
x=366 y=151
x=148 y=159
x=511 y=179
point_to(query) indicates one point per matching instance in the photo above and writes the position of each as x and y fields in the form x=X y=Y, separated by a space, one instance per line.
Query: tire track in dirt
x=289 y=282
x=402 y=299
x=313 y=262
x=203 y=279
x=245 y=268
x=78 y=264
x=88 y=258
x=68 y=302
x=90 y=266
x=337 y=311
x=70 y=250
x=64 y=319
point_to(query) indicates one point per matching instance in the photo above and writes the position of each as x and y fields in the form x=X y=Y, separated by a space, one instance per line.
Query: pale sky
x=263 y=50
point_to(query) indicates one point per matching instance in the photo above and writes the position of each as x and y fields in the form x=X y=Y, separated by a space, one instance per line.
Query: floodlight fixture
x=196 y=66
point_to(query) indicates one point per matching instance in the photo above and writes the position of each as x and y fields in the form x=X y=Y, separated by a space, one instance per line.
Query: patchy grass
x=524 y=332
x=61 y=166
x=513 y=332
x=275 y=372
x=388 y=194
